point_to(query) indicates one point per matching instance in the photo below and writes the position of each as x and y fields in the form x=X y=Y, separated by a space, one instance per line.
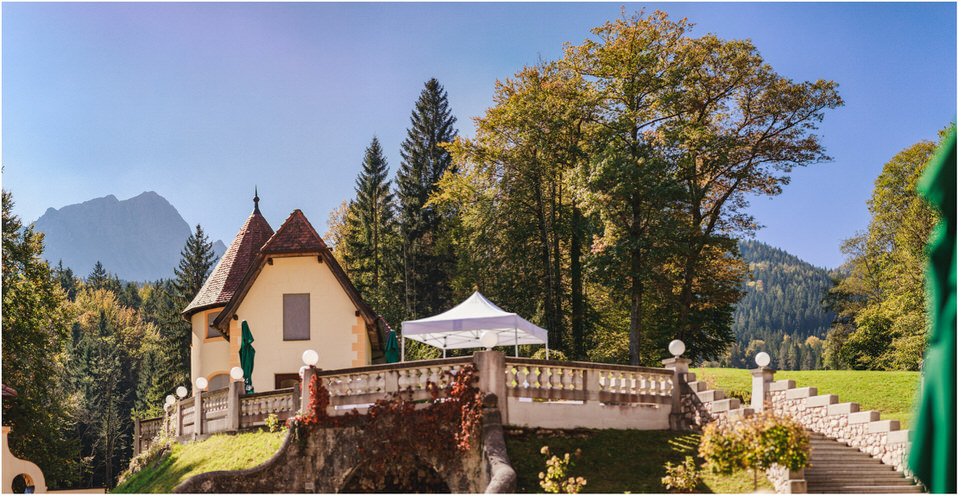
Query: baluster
x=510 y=377
x=567 y=378
x=557 y=377
x=578 y=383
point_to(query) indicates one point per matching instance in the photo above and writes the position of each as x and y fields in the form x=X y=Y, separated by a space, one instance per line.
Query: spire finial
x=256 y=200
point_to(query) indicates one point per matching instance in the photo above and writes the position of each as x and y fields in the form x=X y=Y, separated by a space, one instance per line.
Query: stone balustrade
x=536 y=393
x=356 y=388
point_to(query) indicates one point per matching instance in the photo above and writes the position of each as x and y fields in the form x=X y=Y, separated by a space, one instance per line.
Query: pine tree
x=197 y=259
x=426 y=265
x=371 y=237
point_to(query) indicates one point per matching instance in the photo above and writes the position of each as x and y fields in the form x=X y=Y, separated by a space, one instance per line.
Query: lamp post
x=680 y=369
x=761 y=378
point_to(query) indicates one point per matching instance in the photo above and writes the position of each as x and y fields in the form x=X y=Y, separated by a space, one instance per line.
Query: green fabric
x=932 y=456
x=246 y=353
x=392 y=348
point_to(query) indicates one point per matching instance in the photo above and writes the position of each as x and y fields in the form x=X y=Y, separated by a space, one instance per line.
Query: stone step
x=857 y=467
x=843 y=459
x=863 y=477
x=841 y=488
x=698 y=386
x=711 y=395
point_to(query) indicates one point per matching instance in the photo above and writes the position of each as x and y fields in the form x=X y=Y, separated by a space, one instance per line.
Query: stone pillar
x=136 y=437
x=198 y=417
x=306 y=394
x=762 y=377
x=233 y=408
x=179 y=417
x=491 y=369
x=680 y=370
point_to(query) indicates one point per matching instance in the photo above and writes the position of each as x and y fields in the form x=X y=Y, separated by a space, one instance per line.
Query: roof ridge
x=296 y=234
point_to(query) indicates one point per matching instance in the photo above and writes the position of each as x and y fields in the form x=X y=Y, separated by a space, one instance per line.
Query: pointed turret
x=230 y=270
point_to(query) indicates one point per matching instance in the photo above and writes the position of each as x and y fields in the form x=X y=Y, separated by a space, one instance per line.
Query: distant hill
x=781 y=310
x=138 y=239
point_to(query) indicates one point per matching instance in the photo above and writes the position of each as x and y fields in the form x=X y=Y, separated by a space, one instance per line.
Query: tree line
x=879 y=295
x=602 y=196
x=88 y=356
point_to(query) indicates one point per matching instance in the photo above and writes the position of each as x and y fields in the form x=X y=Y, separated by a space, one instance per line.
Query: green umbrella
x=932 y=456
x=246 y=353
x=392 y=348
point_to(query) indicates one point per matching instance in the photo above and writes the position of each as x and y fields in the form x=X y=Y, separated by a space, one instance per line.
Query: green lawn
x=891 y=393
x=615 y=461
x=219 y=452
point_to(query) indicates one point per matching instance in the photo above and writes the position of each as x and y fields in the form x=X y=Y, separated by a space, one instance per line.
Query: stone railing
x=359 y=387
x=256 y=407
x=881 y=439
x=144 y=431
x=535 y=393
x=557 y=394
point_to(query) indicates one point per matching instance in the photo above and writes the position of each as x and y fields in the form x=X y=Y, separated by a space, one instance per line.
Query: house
x=294 y=296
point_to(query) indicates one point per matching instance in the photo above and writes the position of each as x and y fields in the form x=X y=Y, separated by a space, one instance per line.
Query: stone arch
x=430 y=480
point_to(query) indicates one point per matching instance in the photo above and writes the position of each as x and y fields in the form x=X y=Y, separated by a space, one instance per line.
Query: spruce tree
x=425 y=265
x=196 y=261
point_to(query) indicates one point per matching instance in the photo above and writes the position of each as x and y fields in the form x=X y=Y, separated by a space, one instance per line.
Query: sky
x=203 y=102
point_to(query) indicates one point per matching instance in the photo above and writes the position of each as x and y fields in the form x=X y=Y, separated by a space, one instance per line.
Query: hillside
x=138 y=239
x=781 y=312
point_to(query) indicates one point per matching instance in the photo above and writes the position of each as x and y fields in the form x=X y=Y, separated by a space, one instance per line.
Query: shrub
x=273 y=423
x=754 y=443
x=556 y=478
x=540 y=354
x=744 y=396
x=682 y=478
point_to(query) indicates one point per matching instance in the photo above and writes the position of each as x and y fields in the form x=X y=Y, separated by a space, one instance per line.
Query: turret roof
x=229 y=272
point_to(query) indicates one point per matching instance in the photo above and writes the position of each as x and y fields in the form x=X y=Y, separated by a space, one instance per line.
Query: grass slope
x=891 y=393
x=615 y=461
x=219 y=452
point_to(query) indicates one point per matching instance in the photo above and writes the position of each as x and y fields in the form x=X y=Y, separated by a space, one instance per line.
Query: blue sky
x=200 y=102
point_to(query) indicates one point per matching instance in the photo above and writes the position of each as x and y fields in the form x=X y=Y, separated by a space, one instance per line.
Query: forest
x=603 y=196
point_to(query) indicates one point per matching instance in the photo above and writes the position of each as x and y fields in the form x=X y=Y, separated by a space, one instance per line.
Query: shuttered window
x=295 y=317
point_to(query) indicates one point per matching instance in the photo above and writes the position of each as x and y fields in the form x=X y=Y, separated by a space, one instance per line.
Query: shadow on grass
x=613 y=461
x=162 y=479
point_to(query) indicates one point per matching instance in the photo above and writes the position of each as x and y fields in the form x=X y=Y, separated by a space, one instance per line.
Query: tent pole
x=402 y=347
x=547 y=351
x=444 y=353
x=516 y=330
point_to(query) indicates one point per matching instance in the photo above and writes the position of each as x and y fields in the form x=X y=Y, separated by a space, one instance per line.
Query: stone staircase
x=838 y=468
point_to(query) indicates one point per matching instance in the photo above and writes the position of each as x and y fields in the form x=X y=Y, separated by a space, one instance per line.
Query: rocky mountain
x=138 y=239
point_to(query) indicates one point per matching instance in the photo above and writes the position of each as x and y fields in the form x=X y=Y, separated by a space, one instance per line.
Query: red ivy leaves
x=397 y=434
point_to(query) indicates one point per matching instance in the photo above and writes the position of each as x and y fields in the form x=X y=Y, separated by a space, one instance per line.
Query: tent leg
x=444 y=353
x=402 y=348
x=547 y=351
x=517 y=341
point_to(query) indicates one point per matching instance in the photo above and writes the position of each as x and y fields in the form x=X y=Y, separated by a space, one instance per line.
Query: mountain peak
x=138 y=239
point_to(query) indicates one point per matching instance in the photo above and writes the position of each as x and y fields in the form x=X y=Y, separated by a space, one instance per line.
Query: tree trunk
x=575 y=269
x=554 y=336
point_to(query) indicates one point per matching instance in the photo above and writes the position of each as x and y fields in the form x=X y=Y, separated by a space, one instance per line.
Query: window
x=212 y=332
x=283 y=381
x=218 y=381
x=295 y=317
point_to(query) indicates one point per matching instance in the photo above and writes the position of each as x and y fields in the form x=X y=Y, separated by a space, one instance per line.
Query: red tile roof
x=294 y=236
x=229 y=272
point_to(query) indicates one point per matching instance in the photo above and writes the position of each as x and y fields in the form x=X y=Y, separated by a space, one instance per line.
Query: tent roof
x=464 y=324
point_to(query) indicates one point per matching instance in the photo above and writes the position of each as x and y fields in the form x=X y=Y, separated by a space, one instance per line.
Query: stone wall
x=329 y=456
x=881 y=439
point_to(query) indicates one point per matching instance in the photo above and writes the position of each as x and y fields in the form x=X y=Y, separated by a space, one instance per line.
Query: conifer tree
x=196 y=261
x=426 y=265
x=371 y=236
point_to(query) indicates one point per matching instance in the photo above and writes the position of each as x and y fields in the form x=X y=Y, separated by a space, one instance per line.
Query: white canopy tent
x=464 y=325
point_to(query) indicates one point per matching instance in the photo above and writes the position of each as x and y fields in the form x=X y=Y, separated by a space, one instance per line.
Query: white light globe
x=170 y=399
x=489 y=340
x=676 y=348
x=201 y=383
x=310 y=357
x=762 y=359
x=181 y=392
x=236 y=373
x=302 y=371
